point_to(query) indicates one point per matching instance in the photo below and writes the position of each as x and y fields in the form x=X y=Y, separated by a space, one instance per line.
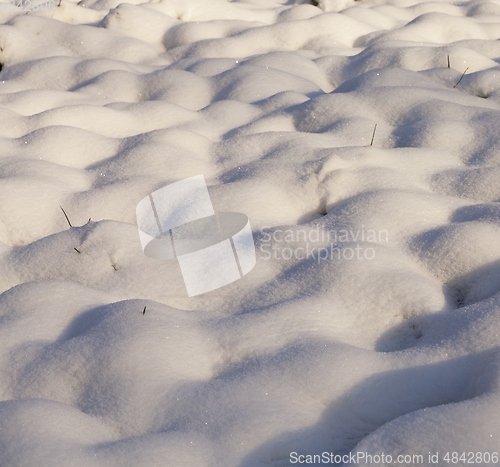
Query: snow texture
x=371 y=320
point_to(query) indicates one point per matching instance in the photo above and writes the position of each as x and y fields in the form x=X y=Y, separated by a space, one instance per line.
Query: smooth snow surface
x=371 y=321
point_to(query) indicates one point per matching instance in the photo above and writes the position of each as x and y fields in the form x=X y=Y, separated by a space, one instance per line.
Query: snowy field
x=370 y=324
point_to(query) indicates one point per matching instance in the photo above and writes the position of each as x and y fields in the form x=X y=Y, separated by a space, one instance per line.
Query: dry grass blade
x=463 y=74
x=66 y=216
x=373 y=136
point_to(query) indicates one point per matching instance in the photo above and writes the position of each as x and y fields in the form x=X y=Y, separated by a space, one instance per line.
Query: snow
x=371 y=320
